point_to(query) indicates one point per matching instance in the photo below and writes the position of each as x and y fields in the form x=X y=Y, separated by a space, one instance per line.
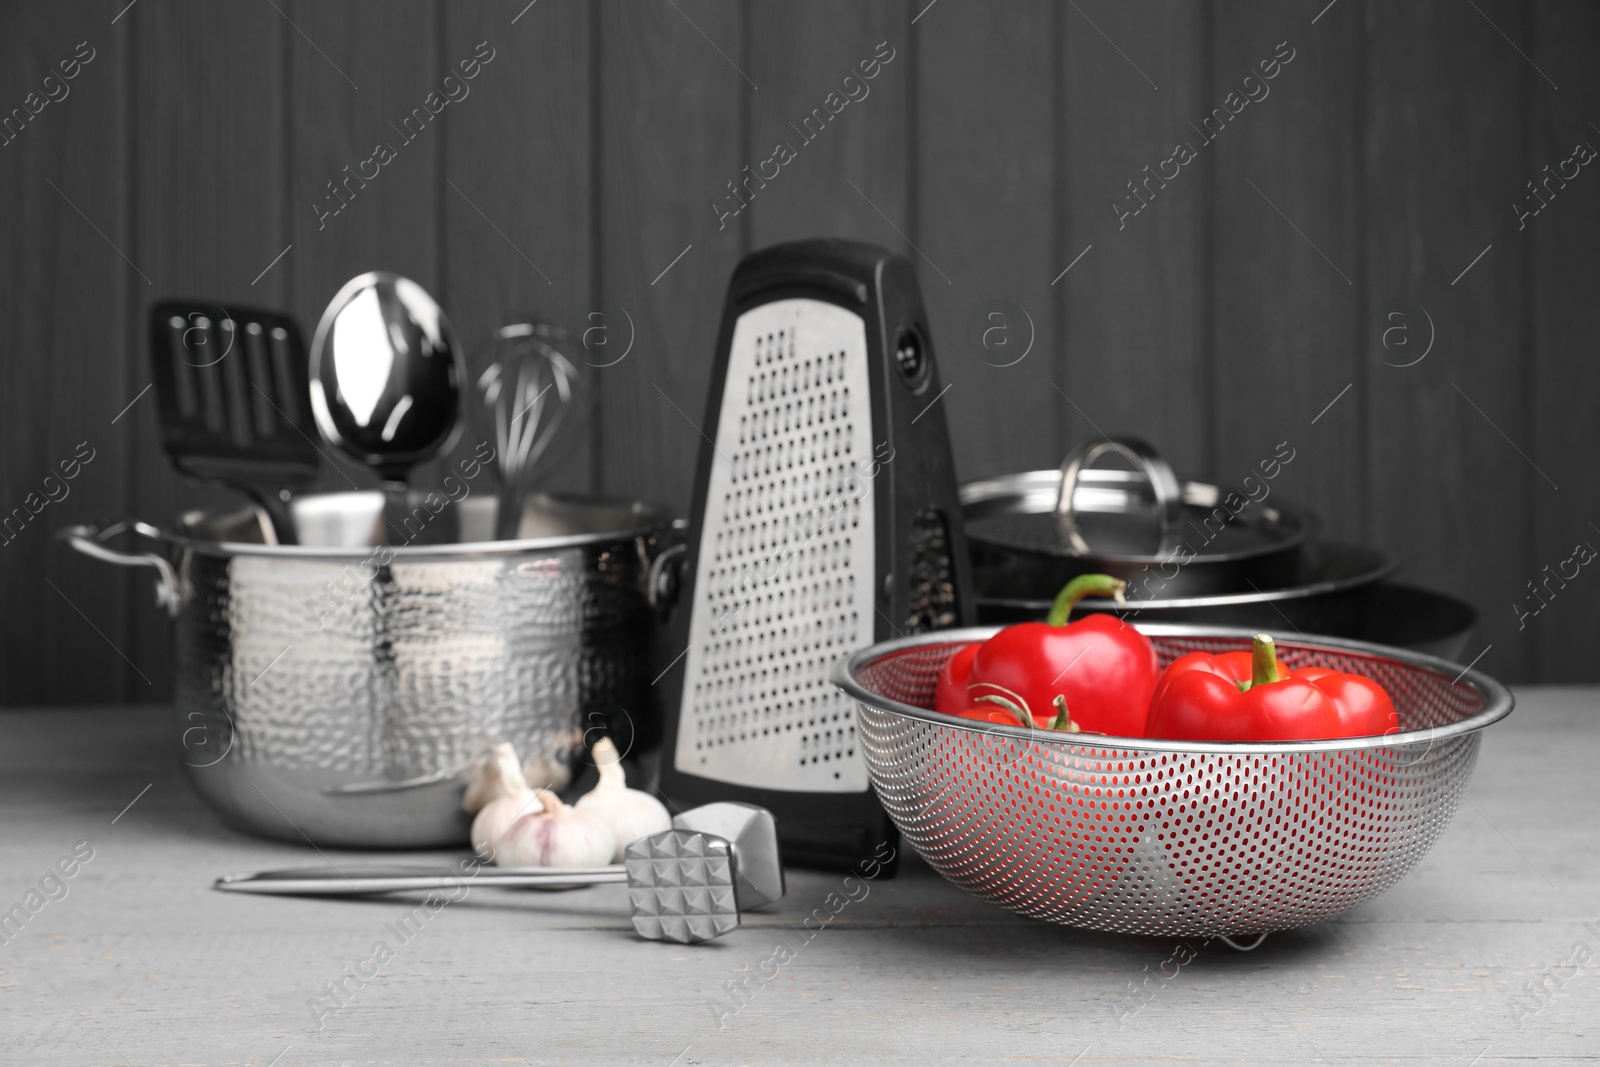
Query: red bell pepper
x=1008 y=713
x=1104 y=668
x=1252 y=696
x=950 y=696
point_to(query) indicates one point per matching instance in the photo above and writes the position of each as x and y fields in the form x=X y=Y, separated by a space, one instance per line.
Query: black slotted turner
x=232 y=385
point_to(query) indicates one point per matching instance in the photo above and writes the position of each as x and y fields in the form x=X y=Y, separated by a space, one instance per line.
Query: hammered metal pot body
x=336 y=692
x=348 y=717
x=1171 y=838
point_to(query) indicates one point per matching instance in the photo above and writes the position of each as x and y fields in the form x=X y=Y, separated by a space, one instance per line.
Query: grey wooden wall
x=1251 y=300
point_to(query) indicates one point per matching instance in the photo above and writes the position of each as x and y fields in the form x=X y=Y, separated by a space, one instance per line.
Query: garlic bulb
x=480 y=787
x=631 y=813
x=557 y=836
x=488 y=774
x=490 y=825
x=502 y=797
x=542 y=772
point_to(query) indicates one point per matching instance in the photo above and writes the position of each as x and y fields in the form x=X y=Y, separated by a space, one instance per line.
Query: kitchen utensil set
x=383 y=386
x=825 y=519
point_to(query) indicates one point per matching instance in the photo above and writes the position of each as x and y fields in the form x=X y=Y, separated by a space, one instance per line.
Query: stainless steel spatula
x=231 y=386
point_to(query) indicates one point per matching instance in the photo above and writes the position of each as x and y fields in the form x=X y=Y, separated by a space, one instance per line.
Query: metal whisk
x=525 y=387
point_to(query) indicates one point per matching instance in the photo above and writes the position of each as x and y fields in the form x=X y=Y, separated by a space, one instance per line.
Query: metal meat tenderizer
x=686 y=884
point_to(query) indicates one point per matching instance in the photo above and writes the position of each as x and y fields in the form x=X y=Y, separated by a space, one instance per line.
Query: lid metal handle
x=1147 y=461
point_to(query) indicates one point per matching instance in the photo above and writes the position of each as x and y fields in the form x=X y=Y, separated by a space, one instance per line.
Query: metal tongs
x=686 y=884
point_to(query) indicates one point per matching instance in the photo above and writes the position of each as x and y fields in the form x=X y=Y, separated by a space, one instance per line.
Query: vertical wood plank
x=1135 y=354
x=518 y=195
x=1451 y=494
x=64 y=377
x=670 y=119
x=1286 y=258
x=988 y=103
x=209 y=181
x=1217 y=321
x=849 y=165
x=1565 y=318
x=360 y=77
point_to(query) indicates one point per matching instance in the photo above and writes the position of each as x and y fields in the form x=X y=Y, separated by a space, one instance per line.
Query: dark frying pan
x=1387 y=613
x=1335 y=599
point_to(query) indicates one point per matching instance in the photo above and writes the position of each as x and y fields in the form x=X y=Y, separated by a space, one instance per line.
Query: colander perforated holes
x=1175 y=844
x=787 y=540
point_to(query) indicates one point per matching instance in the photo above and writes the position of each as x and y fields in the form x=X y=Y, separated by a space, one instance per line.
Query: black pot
x=1167 y=538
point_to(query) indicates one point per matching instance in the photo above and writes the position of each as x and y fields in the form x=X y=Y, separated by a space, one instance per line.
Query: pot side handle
x=90 y=539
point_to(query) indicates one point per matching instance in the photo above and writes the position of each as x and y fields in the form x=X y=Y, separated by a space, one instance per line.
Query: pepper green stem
x=1081 y=586
x=1015 y=708
x=1063 y=720
x=1263 y=660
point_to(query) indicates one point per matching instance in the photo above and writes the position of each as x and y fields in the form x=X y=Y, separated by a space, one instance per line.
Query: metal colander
x=1171 y=838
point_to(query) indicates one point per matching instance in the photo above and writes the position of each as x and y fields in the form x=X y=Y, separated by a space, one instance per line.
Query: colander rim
x=1498 y=699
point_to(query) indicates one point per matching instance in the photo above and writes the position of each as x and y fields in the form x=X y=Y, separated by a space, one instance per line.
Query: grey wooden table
x=1486 y=954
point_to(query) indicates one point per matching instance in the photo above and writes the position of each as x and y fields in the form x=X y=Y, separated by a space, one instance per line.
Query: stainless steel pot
x=1167 y=537
x=335 y=692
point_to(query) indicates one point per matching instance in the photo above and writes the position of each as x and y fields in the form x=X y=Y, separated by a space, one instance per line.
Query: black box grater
x=825 y=518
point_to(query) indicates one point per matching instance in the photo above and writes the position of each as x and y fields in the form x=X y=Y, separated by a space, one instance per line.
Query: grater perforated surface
x=1171 y=838
x=784 y=584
